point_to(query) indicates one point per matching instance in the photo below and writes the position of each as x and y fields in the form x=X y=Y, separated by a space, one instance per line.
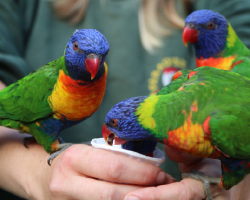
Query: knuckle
x=185 y=192
x=55 y=186
x=183 y=195
x=115 y=169
x=108 y=193
x=67 y=155
x=57 y=181
x=147 y=175
x=57 y=189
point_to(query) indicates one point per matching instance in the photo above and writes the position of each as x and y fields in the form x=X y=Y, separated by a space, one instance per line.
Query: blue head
x=207 y=30
x=85 y=54
x=121 y=122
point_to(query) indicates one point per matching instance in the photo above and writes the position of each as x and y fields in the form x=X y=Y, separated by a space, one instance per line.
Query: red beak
x=92 y=63
x=189 y=35
x=106 y=133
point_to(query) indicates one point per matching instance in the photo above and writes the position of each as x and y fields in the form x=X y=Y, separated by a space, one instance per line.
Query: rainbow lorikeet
x=60 y=94
x=147 y=147
x=208 y=116
x=215 y=42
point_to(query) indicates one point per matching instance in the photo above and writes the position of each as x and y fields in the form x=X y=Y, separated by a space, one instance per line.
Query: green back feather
x=223 y=95
x=26 y=100
x=176 y=84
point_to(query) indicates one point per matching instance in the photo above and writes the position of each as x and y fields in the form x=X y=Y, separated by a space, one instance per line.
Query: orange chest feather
x=221 y=63
x=190 y=138
x=76 y=100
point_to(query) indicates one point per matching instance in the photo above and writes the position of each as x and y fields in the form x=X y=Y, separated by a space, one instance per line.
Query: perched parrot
x=208 y=116
x=60 y=94
x=215 y=42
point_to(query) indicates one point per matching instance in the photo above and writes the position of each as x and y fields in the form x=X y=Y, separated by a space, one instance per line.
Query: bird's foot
x=207 y=180
x=28 y=140
x=60 y=140
x=61 y=147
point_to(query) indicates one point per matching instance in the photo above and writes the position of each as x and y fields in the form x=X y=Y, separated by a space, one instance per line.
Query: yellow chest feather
x=76 y=100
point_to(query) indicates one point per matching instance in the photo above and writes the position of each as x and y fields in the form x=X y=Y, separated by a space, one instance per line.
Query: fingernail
x=170 y=179
x=161 y=178
x=131 y=198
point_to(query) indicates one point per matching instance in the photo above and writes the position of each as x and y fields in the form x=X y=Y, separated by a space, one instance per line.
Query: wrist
x=36 y=183
x=22 y=169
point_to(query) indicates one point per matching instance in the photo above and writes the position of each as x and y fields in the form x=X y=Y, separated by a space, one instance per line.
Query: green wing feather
x=223 y=95
x=176 y=84
x=26 y=100
x=230 y=130
x=229 y=109
x=179 y=119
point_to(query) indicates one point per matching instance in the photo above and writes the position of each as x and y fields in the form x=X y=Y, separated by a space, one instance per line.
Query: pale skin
x=190 y=189
x=75 y=172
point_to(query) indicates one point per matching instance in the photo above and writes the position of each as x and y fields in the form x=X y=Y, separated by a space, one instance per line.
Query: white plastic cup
x=157 y=159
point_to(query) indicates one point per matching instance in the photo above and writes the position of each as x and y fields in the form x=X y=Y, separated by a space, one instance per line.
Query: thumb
x=186 y=189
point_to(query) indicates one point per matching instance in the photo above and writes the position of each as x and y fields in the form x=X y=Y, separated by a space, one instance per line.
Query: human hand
x=75 y=172
x=187 y=188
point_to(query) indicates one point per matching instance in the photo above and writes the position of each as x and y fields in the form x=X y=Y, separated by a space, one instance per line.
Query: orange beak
x=92 y=63
x=189 y=35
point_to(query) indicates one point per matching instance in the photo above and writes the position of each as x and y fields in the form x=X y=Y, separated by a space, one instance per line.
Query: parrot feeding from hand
x=215 y=42
x=147 y=147
x=60 y=94
x=208 y=116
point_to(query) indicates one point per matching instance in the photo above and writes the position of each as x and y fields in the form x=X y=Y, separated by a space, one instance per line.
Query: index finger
x=186 y=189
x=108 y=166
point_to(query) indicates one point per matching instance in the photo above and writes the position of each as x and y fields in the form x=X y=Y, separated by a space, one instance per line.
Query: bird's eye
x=210 y=25
x=75 y=45
x=114 y=122
x=76 y=48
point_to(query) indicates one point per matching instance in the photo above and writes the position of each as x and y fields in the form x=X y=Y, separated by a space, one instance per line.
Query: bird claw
x=62 y=147
x=207 y=180
x=28 y=139
x=60 y=140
